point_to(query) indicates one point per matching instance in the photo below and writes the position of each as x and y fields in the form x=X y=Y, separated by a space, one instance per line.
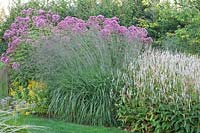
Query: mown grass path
x=55 y=126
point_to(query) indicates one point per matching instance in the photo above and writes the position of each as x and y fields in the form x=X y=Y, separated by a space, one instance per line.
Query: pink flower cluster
x=43 y=18
x=73 y=24
x=5 y=59
x=17 y=29
x=106 y=27
x=21 y=26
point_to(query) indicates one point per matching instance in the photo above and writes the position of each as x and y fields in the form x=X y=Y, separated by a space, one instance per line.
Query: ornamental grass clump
x=162 y=93
x=79 y=70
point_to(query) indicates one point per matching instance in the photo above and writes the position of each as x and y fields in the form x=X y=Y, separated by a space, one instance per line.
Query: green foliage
x=34 y=94
x=163 y=18
x=159 y=117
x=187 y=39
x=177 y=23
x=127 y=10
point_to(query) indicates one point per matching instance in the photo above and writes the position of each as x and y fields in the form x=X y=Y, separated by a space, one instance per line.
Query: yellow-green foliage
x=34 y=94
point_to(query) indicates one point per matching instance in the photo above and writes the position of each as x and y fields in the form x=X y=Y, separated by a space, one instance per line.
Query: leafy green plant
x=177 y=23
x=187 y=39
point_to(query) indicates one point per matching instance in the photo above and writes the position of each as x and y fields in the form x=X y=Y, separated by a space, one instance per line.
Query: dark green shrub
x=188 y=37
x=173 y=23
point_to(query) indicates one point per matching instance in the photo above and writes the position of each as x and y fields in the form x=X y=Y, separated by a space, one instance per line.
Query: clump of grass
x=79 y=71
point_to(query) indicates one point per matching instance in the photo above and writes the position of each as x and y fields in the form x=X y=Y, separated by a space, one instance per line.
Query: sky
x=4 y=4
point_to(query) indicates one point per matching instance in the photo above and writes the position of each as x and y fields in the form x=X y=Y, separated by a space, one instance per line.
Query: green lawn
x=54 y=126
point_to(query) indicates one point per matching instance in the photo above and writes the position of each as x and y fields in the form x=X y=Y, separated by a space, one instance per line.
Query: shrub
x=161 y=93
x=23 y=31
x=177 y=23
x=187 y=38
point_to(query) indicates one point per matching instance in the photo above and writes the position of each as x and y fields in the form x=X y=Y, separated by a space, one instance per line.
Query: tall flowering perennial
x=40 y=19
x=21 y=27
